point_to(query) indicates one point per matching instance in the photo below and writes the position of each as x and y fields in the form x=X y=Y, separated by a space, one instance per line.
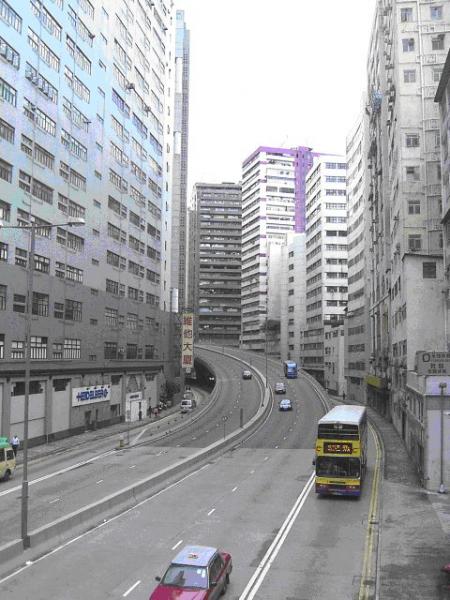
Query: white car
x=246 y=374
x=280 y=388
x=285 y=404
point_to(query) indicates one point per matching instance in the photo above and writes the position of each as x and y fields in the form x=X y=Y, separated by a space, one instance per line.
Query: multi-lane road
x=254 y=501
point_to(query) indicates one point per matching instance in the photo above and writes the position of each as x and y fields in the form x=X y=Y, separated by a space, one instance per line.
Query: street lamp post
x=32 y=226
x=442 y=387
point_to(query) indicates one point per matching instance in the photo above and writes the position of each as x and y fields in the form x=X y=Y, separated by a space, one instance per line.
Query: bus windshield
x=339 y=466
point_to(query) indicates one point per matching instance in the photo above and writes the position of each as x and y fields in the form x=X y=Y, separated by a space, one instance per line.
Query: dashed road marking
x=55 y=500
x=234 y=489
x=211 y=511
x=99 y=481
x=131 y=588
x=176 y=545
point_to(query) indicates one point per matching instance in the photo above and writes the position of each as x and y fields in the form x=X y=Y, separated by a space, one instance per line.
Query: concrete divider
x=128 y=497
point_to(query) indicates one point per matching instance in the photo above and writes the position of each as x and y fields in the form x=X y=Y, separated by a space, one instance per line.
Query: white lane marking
x=211 y=511
x=252 y=471
x=99 y=481
x=55 y=500
x=60 y=472
x=234 y=489
x=276 y=446
x=159 y=453
x=176 y=545
x=261 y=570
x=132 y=467
x=107 y=522
x=139 y=435
x=266 y=458
x=131 y=588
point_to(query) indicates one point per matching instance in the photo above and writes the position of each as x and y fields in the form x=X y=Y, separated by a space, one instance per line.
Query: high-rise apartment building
x=293 y=294
x=326 y=259
x=86 y=104
x=407 y=52
x=216 y=274
x=180 y=162
x=273 y=204
x=357 y=326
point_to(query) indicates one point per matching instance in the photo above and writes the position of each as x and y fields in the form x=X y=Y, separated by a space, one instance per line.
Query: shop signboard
x=187 y=341
x=90 y=394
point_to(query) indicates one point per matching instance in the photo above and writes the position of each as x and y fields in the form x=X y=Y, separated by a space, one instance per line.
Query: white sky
x=272 y=73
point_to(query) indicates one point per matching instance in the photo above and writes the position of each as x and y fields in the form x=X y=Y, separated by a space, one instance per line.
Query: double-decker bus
x=341 y=451
x=290 y=369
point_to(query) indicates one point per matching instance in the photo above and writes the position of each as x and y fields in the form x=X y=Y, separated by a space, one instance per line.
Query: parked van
x=187 y=404
x=7 y=459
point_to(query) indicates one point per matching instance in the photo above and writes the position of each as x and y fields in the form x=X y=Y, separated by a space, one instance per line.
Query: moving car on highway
x=196 y=573
x=280 y=388
x=285 y=404
x=246 y=374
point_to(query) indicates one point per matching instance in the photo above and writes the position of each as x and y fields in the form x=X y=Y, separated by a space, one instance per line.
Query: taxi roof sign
x=4 y=442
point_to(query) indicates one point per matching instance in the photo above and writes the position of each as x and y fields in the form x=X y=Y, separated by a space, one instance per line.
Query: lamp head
x=76 y=222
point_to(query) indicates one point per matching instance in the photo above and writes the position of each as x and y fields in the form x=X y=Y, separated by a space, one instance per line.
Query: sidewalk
x=93 y=435
x=414 y=526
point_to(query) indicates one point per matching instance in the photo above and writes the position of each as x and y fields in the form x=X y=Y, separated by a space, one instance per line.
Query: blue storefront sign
x=89 y=395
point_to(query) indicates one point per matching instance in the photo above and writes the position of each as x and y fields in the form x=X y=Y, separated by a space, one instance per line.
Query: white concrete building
x=326 y=258
x=272 y=206
x=293 y=295
x=357 y=327
x=334 y=359
x=407 y=52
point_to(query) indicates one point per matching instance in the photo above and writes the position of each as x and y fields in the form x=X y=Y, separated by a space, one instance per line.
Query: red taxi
x=196 y=573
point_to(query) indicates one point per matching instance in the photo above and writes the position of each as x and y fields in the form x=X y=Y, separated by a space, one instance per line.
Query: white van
x=187 y=404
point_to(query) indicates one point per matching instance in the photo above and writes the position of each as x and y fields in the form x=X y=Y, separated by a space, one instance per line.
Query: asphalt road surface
x=255 y=502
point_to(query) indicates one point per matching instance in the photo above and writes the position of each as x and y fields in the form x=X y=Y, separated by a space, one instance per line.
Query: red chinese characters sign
x=187 y=341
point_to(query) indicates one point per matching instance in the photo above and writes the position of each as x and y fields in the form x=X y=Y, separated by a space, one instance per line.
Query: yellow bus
x=341 y=451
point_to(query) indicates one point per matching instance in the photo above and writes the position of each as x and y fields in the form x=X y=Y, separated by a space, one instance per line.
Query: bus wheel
x=7 y=475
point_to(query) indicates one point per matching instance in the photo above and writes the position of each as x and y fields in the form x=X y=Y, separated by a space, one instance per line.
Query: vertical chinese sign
x=187 y=342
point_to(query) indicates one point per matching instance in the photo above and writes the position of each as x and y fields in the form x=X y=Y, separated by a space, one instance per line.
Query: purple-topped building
x=273 y=204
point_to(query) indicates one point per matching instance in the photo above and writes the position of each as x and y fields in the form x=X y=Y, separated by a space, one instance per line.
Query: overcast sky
x=272 y=72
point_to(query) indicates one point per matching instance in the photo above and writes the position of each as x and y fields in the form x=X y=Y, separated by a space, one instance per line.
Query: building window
x=132 y=321
x=72 y=348
x=40 y=304
x=437 y=43
x=412 y=173
x=409 y=75
x=58 y=353
x=406 y=15
x=78 y=55
x=41 y=83
x=414 y=207
x=412 y=140
x=7 y=131
x=73 y=310
x=38 y=347
x=70 y=240
x=3 y=252
x=110 y=350
x=71 y=208
x=43 y=50
x=58 y=310
x=415 y=242
x=9 y=16
x=3 y=296
x=72 y=176
x=19 y=303
x=73 y=145
x=9 y=54
x=132 y=351
x=429 y=270
x=111 y=317
x=408 y=44
x=6 y=171
x=436 y=13
x=8 y=93
x=17 y=350
x=77 y=85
